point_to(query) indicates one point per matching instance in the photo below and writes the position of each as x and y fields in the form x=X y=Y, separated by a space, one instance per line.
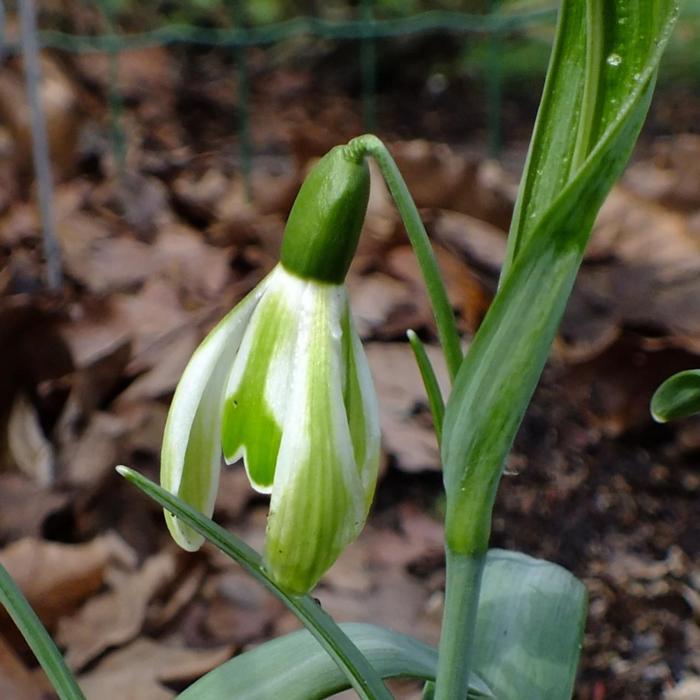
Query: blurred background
x=149 y=155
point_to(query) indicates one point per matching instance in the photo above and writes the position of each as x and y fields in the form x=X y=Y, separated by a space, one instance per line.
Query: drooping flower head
x=283 y=383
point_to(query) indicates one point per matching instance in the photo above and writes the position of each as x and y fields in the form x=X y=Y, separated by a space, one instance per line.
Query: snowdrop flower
x=283 y=383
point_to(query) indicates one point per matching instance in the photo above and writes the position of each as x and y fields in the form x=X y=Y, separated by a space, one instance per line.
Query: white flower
x=283 y=383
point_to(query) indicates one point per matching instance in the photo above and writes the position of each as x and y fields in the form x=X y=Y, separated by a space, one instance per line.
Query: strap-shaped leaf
x=555 y=214
x=295 y=667
x=529 y=628
x=528 y=639
x=677 y=397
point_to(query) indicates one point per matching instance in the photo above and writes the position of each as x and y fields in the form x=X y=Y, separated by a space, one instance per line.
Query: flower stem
x=464 y=573
x=368 y=144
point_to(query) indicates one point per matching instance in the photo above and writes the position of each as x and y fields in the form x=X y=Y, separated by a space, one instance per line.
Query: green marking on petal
x=249 y=427
x=361 y=408
x=318 y=503
x=352 y=394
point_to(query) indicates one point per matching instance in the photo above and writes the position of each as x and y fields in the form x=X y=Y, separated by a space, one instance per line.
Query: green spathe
x=326 y=219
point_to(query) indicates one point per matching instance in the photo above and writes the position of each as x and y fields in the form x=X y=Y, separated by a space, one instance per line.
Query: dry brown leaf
x=449 y=173
x=201 y=193
x=643 y=271
x=239 y=610
x=464 y=290
x=16 y=681
x=374 y=298
x=16 y=518
x=153 y=315
x=114 y=264
x=407 y=432
x=55 y=578
x=116 y=616
x=28 y=447
x=187 y=587
x=479 y=241
x=88 y=457
x=146 y=424
x=60 y=110
x=191 y=264
x=687 y=689
x=234 y=492
x=163 y=377
x=137 y=671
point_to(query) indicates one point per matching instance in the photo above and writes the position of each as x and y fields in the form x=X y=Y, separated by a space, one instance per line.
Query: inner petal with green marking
x=258 y=385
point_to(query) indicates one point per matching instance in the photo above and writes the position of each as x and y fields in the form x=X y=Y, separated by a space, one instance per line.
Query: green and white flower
x=283 y=383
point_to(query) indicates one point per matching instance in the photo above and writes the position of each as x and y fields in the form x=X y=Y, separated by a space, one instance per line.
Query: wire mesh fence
x=366 y=29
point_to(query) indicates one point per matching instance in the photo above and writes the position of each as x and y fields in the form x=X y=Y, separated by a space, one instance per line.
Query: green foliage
x=295 y=667
x=596 y=96
x=529 y=627
x=677 y=397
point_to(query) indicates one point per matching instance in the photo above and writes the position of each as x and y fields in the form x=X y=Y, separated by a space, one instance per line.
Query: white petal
x=191 y=452
x=318 y=503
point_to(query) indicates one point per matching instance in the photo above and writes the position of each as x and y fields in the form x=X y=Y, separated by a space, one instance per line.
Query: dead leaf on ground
x=55 y=578
x=480 y=242
x=16 y=519
x=407 y=432
x=16 y=681
x=28 y=448
x=687 y=689
x=239 y=610
x=91 y=454
x=190 y=264
x=376 y=297
x=116 y=616
x=139 y=670
x=640 y=252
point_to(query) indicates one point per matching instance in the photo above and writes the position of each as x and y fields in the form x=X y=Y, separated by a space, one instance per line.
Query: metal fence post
x=40 y=144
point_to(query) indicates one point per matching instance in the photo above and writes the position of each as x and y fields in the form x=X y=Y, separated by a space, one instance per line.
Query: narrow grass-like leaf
x=60 y=676
x=295 y=667
x=529 y=628
x=677 y=397
x=430 y=382
x=360 y=674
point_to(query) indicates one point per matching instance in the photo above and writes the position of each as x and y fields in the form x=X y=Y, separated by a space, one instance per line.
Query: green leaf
x=529 y=628
x=37 y=637
x=677 y=397
x=360 y=674
x=430 y=382
x=528 y=639
x=555 y=213
x=295 y=667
